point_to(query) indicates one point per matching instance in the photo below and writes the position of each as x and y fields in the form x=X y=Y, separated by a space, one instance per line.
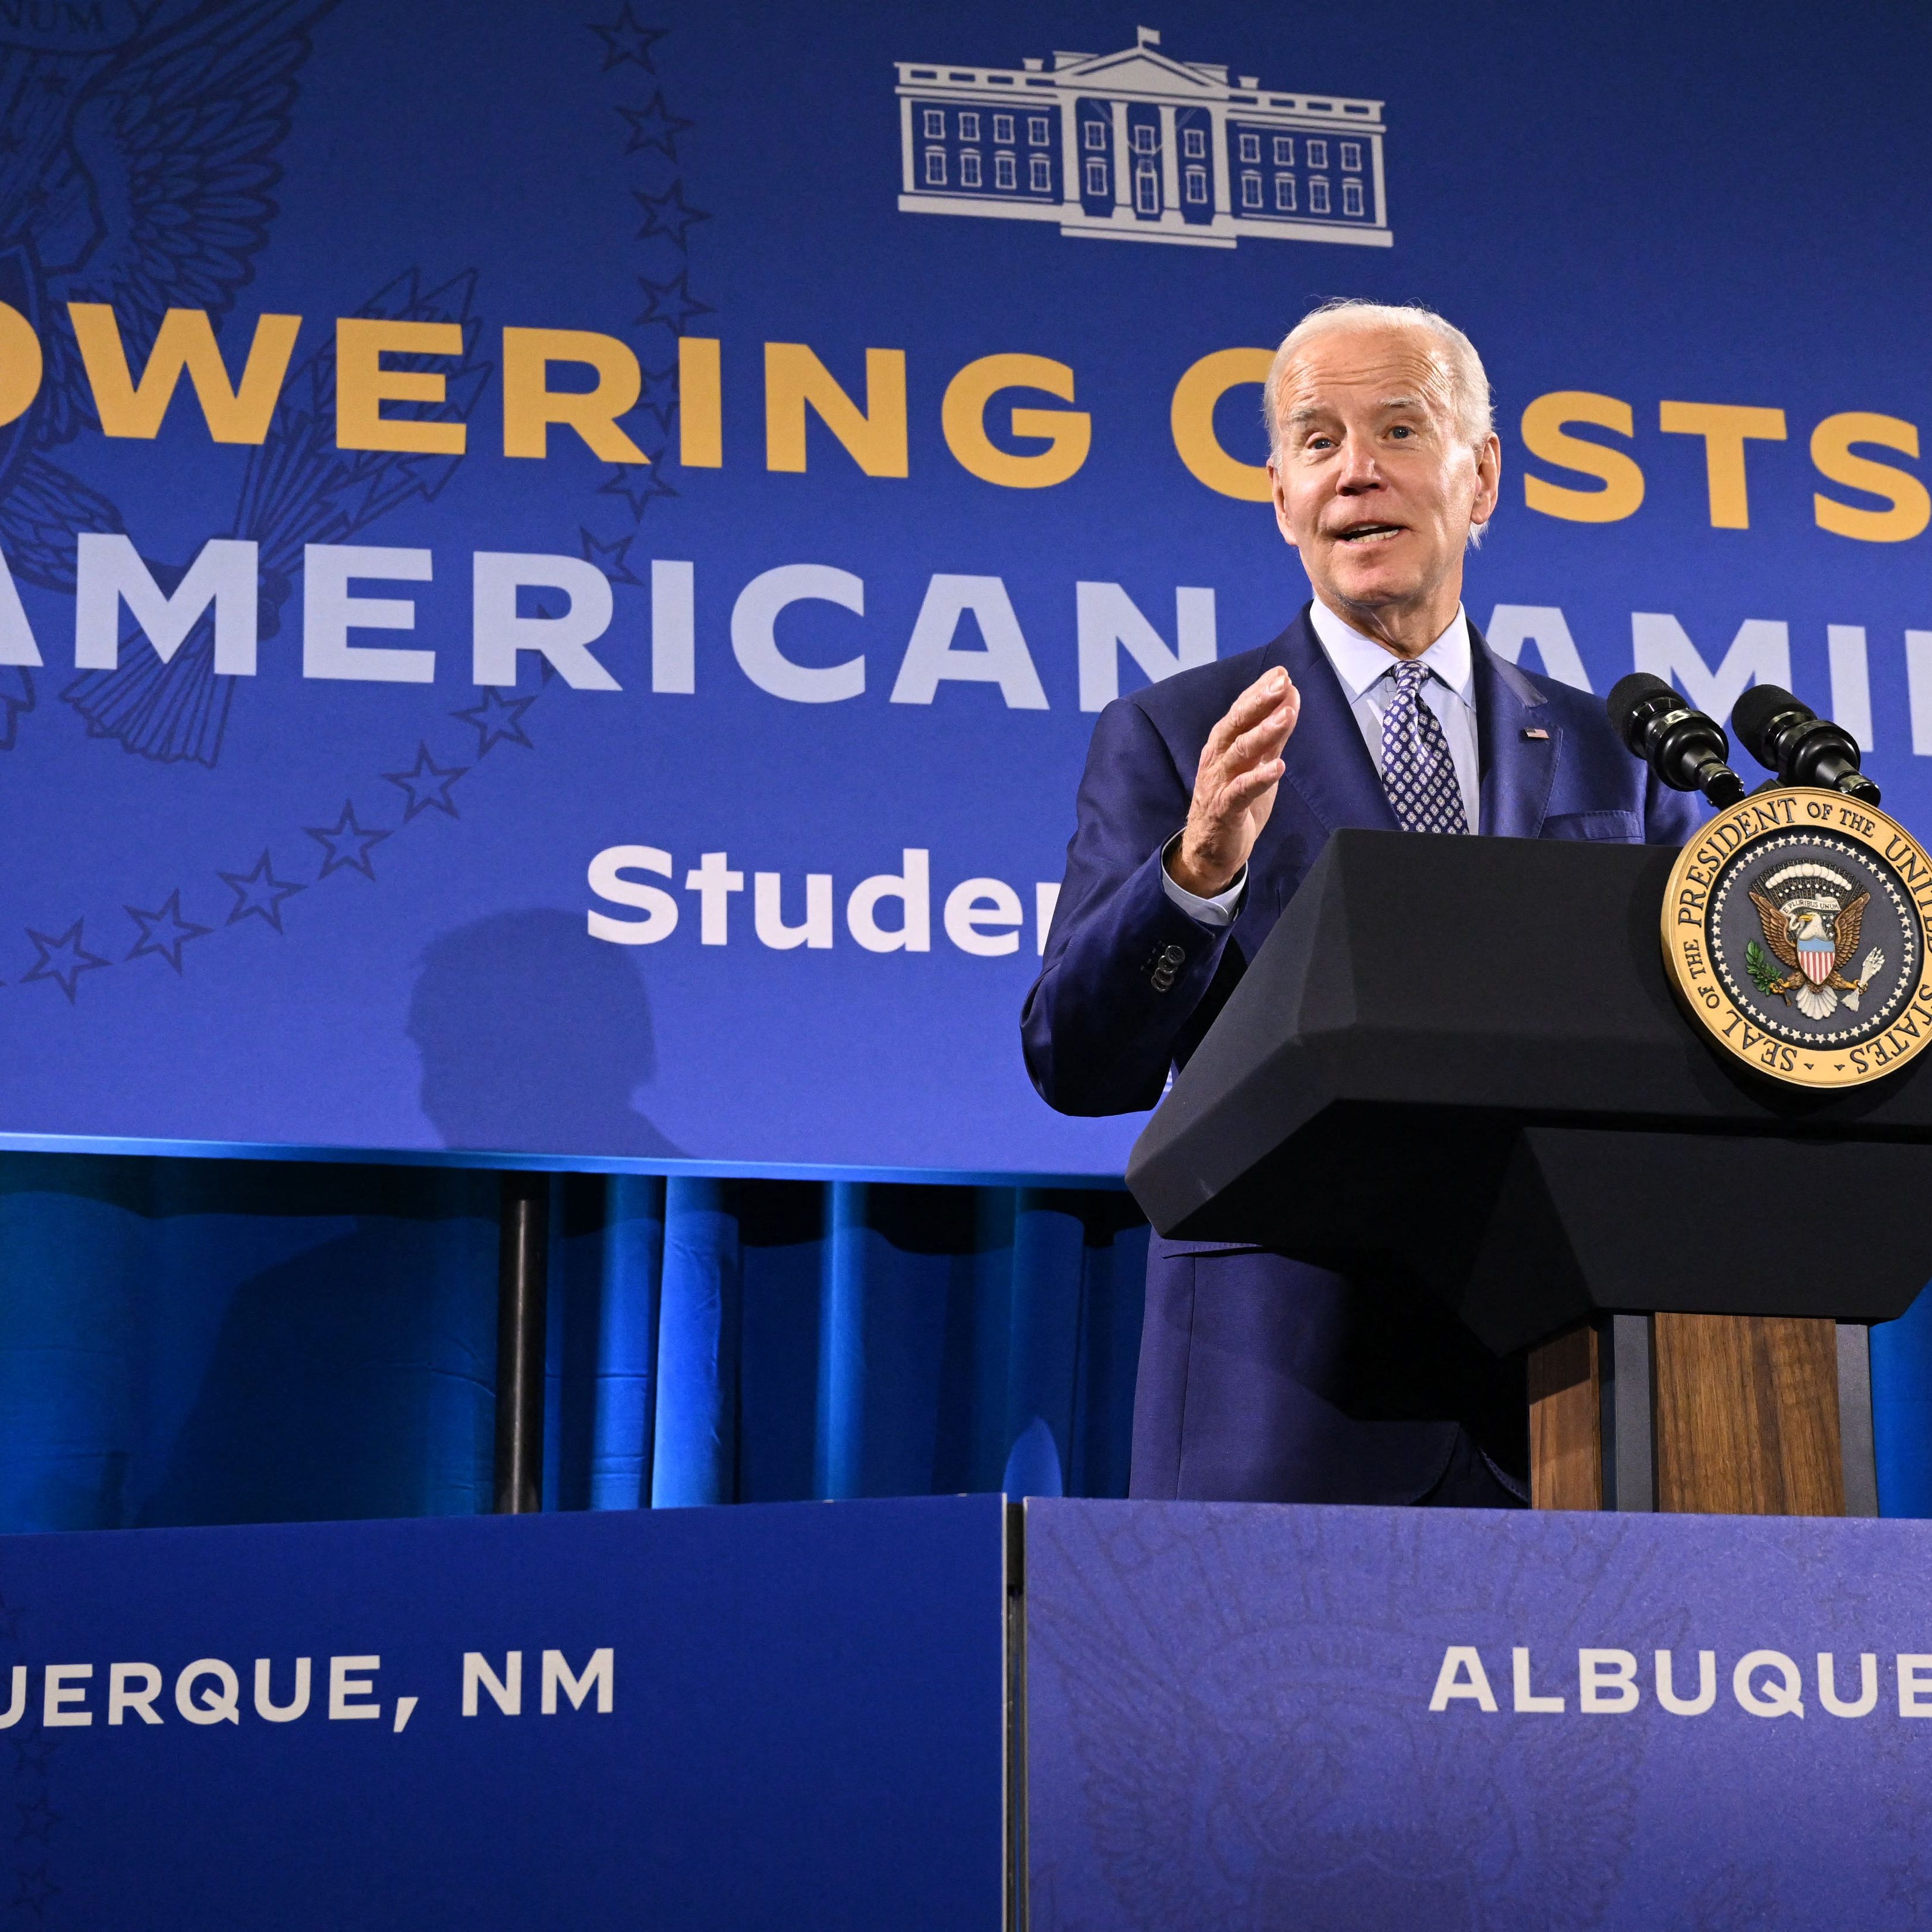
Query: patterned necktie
x=1418 y=772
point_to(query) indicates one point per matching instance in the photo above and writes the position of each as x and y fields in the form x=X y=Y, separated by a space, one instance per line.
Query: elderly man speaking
x=1206 y=799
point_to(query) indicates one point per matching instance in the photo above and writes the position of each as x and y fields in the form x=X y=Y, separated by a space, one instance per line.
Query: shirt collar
x=1360 y=660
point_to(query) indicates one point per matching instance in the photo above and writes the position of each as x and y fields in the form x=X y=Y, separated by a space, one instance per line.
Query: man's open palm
x=1235 y=787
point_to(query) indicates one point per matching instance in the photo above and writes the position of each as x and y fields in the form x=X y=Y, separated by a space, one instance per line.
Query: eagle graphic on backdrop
x=137 y=169
x=139 y=162
x=1811 y=915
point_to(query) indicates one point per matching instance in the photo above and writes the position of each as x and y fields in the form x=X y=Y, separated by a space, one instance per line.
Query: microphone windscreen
x=1752 y=716
x=1627 y=697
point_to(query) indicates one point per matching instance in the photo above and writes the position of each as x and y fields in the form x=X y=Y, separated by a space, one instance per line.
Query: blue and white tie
x=1418 y=772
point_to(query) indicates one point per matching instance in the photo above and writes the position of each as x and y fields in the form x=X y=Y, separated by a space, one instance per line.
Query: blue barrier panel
x=783 y=1715
x=1261 y=1717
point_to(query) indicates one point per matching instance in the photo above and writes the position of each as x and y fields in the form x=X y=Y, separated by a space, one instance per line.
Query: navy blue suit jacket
x=1262 y=1378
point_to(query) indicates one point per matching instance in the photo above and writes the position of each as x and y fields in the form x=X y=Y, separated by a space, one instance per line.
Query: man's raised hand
x=1235 y=787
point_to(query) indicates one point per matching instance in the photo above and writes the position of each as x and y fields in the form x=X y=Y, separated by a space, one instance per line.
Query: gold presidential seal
x=1794 y=930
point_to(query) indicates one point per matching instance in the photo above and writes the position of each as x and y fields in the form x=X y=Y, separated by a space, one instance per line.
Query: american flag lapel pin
x=1536 y=731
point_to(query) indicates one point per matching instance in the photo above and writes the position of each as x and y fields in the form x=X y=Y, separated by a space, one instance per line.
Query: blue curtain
x=192 y=1342
x=1901 y=1370
x=196 y=1342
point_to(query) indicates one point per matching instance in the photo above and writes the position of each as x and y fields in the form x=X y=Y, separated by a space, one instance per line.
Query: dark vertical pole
x=1625 y=1355
x=1856 y=1441
x=522 y=1260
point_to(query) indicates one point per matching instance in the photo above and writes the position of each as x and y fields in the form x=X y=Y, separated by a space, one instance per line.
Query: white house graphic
x=1140 y=147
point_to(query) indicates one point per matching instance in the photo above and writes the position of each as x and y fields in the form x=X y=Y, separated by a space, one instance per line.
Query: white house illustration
x=1142 y=148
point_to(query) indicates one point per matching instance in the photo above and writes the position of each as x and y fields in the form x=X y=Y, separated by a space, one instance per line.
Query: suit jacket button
x=1163 y=979
x=1174 y=956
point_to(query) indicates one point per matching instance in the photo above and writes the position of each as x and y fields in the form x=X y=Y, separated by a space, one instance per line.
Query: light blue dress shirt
x=1365 y=667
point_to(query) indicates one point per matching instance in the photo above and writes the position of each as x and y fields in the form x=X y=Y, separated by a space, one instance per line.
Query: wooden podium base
x=1711 y=1414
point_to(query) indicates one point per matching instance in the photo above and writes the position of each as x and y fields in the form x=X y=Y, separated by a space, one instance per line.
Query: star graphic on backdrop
x=660 y=397
x=668 y=213
x=427 y=784
x=626 y=38
x=34 y=1890
x=653 y=125
x=37 y=1818
x=652 y=440
x=33 y=1750
x=346 y=844
x=498 y=719
x=670 y=302
x=637 y=485
x=164 y=933
x=609 y=557
x=259 y=893
x=61 y=960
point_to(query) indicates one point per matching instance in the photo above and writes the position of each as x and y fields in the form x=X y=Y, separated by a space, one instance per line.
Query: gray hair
x=1469 y=386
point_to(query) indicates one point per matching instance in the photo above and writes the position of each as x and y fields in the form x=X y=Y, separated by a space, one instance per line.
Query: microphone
x=1791 y=739
x=1685 y=749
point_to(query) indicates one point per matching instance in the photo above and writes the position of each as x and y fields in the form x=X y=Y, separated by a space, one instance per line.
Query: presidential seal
x=1794 y=930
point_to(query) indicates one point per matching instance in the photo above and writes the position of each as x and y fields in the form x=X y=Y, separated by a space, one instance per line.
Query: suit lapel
x=1517 y=770
x=1327 y=764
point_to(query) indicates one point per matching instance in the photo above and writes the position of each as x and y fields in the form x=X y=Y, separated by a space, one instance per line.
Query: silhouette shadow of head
x=533 y=1038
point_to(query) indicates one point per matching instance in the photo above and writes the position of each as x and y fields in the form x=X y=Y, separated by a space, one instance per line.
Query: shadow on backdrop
x=534 y=1039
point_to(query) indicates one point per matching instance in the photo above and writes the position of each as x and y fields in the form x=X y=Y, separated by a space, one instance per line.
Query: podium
x=1457 y=1062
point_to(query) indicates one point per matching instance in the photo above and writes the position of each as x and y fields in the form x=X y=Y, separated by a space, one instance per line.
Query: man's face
x=1375 y=483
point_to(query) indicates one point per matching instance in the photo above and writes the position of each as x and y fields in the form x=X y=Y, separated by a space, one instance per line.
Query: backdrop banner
x=560 y=560
x=786 y=1714
x=1253 y=1717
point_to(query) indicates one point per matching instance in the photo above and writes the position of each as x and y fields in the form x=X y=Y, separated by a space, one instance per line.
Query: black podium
x=1457 y=1061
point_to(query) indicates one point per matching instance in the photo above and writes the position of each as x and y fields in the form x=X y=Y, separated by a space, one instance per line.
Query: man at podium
x=1205 y=800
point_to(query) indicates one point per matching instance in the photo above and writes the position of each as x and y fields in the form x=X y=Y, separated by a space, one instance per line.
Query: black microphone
x=1684 y=749
x=1791 y=739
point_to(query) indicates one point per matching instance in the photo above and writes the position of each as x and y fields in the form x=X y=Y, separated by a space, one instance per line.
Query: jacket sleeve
x=1125 y=967
x=1670 y=818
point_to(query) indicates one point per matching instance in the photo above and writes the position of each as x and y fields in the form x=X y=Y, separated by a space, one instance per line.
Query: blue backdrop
x=652 y=503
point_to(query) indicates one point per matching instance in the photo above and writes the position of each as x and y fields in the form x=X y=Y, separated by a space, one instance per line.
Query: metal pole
x=522 y=1259
x=1857 y=1444
x=1625 y=1351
